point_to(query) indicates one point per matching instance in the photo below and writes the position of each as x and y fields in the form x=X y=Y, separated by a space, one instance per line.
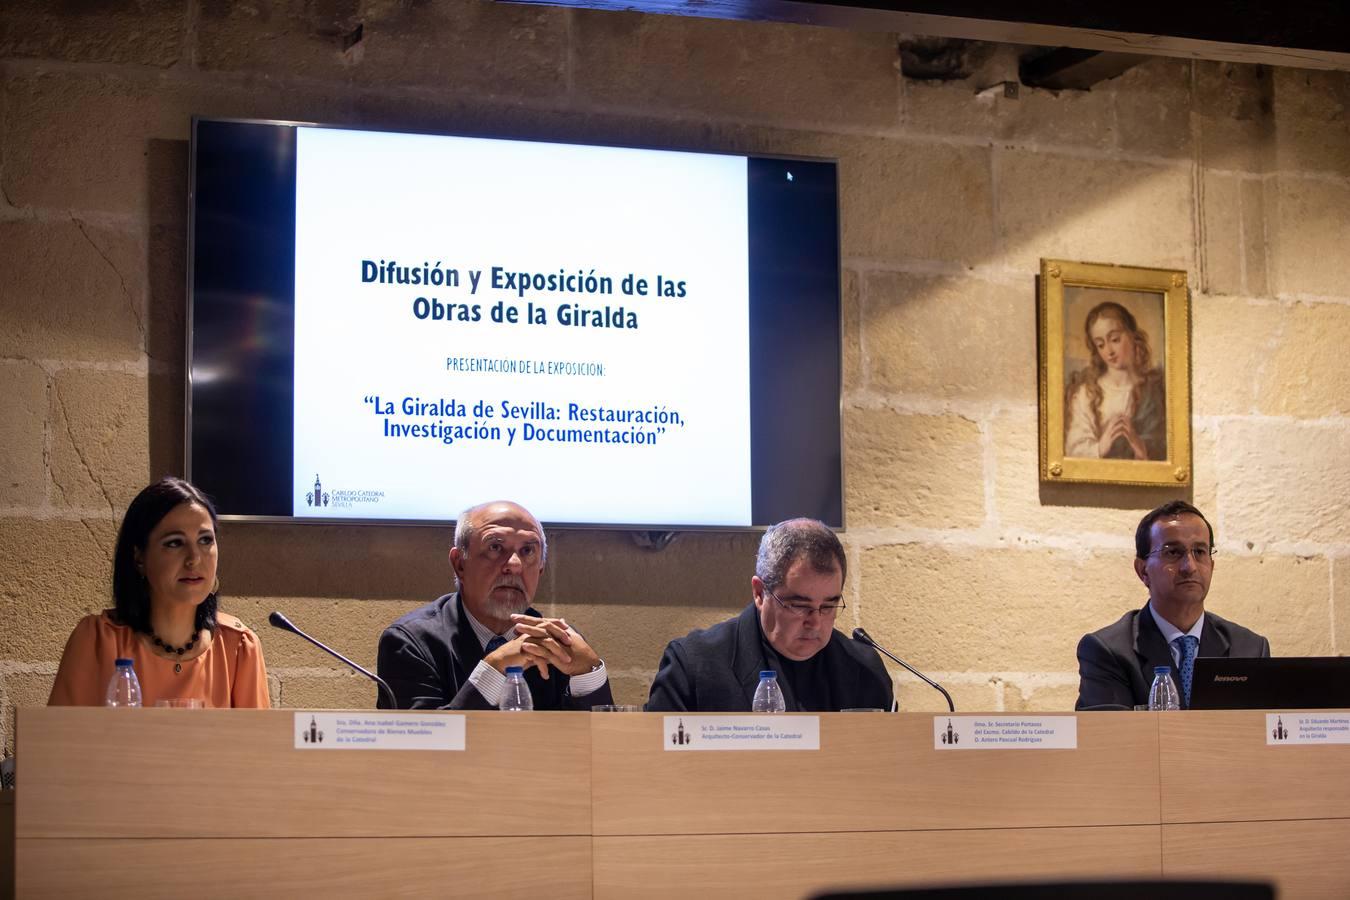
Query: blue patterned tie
x=493 y=643
x=1188 y=645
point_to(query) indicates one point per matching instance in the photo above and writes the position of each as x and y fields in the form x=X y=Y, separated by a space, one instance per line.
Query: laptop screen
x=1288 y=682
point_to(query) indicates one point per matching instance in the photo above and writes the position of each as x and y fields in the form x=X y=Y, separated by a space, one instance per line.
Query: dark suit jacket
x=427 y=656
x=717 y=670
x=1115 y=664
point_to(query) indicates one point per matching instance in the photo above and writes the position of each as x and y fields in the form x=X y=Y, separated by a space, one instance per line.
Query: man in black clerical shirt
x=789 y=627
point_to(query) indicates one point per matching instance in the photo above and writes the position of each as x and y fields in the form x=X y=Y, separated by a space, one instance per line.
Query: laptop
x=1280 y=682
x=1113 y=889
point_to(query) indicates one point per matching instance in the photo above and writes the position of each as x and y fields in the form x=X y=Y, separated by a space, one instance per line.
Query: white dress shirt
x=489 y=682
x=1171 y=632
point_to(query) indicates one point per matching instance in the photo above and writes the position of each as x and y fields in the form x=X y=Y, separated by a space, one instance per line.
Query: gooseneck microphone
x=861 y=635
x=285 y=624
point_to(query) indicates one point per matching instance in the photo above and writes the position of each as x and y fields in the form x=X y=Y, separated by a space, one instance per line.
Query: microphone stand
x=861 y=635
x=277 y=620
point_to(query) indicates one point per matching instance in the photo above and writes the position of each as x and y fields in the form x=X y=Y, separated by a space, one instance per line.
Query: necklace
x=170 y=648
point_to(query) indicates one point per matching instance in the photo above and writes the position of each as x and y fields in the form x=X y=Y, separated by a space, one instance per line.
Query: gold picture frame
x=1115 y=367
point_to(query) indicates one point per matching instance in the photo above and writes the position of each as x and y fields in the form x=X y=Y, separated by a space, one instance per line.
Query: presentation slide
x=566 y=326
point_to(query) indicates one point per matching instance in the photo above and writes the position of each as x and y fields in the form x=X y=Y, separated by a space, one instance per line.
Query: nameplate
x=1307 y=728
x=762 y=732
x=378 y=731
x=1005 y=732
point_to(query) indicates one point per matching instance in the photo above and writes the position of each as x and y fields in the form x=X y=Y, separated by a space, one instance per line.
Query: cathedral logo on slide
x=316 y=497
x=340 y=499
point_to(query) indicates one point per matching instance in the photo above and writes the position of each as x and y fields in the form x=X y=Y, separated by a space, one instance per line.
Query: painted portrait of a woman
x=1116 y=405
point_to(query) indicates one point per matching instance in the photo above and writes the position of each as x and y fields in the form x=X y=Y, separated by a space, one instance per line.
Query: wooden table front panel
x=558 y=868
x=873 y=773
x=1307 y=860
x=236 y=773
x=1217 y=767
x=782 y=866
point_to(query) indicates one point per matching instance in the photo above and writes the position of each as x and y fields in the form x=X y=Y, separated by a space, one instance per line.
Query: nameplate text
x=1005 y=732
x=356 y=730
x=762 y=732
x=1307 y=728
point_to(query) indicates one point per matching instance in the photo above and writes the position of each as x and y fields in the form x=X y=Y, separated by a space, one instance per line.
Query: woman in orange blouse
x=164 y=614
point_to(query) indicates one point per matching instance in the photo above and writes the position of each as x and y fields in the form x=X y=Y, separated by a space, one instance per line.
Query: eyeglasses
x=1172 y=553
x=827 y=610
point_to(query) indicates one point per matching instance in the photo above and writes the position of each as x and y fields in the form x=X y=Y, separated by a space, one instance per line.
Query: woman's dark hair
x=131 y=594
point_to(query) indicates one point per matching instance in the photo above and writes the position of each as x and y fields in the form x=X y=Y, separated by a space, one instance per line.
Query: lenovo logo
x=1219 y=678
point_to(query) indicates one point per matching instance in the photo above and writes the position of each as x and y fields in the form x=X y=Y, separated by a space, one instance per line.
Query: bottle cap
x=768 y=673
x=515 y=670
x=1162 y=670
x=123 y=662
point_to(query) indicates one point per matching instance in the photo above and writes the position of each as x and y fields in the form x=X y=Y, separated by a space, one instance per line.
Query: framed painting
x=1115 y=364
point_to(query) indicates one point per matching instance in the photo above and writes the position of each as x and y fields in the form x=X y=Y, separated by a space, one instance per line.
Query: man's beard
x=503 y=608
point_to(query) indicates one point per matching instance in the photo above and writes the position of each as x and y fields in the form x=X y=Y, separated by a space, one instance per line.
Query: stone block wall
x=961 y=560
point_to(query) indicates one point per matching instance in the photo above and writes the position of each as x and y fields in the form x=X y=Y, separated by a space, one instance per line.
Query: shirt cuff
x=589 y=683
x=488 y=681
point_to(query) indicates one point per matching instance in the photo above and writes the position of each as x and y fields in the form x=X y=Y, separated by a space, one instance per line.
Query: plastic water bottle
x=1163 y=694
x=124 y=689
x=768 y=696
x=515 y=693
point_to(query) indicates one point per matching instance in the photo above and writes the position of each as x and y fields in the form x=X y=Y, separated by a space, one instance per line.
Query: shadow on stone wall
x=166 y=301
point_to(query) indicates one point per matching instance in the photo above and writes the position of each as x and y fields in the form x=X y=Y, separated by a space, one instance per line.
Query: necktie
x=1189 y=647
x=496 y=641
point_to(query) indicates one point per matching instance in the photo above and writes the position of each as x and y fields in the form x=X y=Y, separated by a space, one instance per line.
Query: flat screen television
x=389 y=327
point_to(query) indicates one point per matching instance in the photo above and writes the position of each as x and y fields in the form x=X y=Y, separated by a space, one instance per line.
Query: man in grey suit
x=1174 y=558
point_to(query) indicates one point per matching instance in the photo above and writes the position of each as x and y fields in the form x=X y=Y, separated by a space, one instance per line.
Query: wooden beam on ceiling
x=1310 y=34
x=1069 y=68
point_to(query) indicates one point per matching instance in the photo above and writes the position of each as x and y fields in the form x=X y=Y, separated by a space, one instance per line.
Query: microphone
x=861 y=635
x=279 y=621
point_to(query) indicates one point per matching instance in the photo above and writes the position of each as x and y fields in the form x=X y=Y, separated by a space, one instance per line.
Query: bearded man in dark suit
x=453 y=653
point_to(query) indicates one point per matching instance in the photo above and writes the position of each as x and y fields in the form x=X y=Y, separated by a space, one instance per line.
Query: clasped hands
x=542 y=642
x=1121 y=425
